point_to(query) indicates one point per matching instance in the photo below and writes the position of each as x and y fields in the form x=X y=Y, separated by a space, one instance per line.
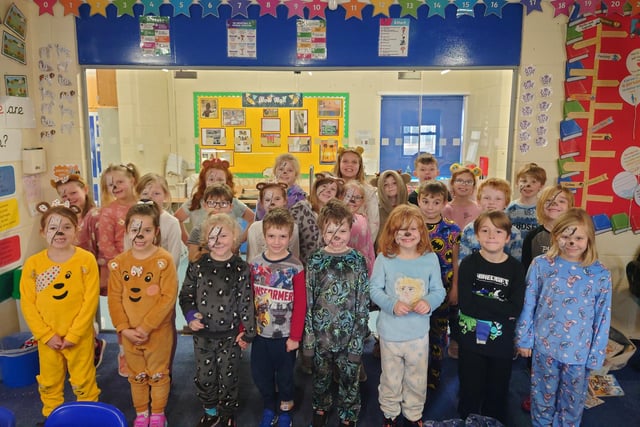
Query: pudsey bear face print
x=141 y=283
x=48 y=277
x=60 y=286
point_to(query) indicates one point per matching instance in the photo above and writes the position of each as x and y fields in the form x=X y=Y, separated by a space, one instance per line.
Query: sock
x=145 y=413
x=212 y=412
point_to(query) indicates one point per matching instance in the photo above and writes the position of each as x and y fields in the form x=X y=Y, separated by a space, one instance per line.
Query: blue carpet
x=184 y=409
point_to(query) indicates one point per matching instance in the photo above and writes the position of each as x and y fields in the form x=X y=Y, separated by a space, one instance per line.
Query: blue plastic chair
x=83 y=414
x=7 y=419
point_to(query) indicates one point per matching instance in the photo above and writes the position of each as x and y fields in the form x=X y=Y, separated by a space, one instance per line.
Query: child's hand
x=422 y=307
x=524 y=352
x=452 y=297
x=142 y=333
x=241 y=343
x=401 y=308
x=292 y=345
x=55 y=342
x=195 y=325
x=134 y=336
x=66 y=344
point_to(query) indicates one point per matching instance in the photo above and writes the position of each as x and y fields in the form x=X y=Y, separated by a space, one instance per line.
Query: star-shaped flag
x=71 y=7
x=588 y=7
x=125 y=7
x=615 y=6
x=494 y=7
x=98 y=7
x=296 y=8
x=436 y=7
x=151 y=7
x=46 y=6
x=561 y=7
x=532 y=5
x=181 y=7
x=317 y=8
x=409 y=7
x=353 y=9
x=268 y=7
x=210 y=7
x=465 y=7
x=239 y=7
x=381 y=7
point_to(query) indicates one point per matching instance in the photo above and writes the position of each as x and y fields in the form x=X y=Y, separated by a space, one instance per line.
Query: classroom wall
x=543 y=42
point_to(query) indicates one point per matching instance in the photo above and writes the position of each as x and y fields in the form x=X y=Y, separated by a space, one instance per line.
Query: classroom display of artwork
x=599 y=157
x=252 y=129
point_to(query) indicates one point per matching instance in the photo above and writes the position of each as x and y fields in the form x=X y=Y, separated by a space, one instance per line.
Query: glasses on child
x=216 y=204
x=463 y=181
x=355 y=199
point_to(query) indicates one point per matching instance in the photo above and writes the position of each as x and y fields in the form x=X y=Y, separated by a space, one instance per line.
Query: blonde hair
x=401 y=216
x=129 y=169
x=222 y=220
x=572 y=218
x=497 y=184
x=286 y=158
x=425 y=159
x=383 y=200
x=547 y=195
x=153 y=178
x=358 y=152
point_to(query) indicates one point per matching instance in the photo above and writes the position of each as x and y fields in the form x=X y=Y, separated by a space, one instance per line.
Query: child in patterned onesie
x=142 y=297
x=337 y=315
x=564 y=326
x=59 y=297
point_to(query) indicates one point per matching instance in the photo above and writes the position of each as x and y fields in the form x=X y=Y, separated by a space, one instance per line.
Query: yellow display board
x=251 y=129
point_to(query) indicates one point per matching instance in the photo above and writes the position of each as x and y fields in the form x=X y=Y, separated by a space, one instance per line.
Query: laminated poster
x=155 y=39
x=241 y=38
x=311 y=39
x=394 y=37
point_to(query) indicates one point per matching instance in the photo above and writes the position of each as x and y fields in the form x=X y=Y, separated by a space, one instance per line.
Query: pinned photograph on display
x=270 y=140
x=16 y=21
x=328 y=151
x=16 y=85
x=299 y=122
x=209 y=154
x=209 y=108
x=13 y=47
x=329 y=107
x=233 y=117
x=299 y=144
x=329 y=127
x=213 y=136
x=242 y=140
x=270 y=125
x=270 y=112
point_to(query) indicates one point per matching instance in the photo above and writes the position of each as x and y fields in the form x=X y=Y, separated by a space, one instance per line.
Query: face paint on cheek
x=349 y=195
x=213 y=237
x=268 y=198
x=134 y=229
x=565 y=236
x=53 y=226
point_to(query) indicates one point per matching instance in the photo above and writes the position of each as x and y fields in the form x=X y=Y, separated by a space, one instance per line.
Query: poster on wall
x=209 y=108
x=16 y=85
x=328 y=151
x=599 y=145
x=242 y=140
x=213 y=136
x=311 y=39
x=241 y=38
x=233 y=117
x=270 y=140
x=13 y=47
x=299 y=122
x=16 y=21
x=394 y=37
x=155 y=38
x=299 y=144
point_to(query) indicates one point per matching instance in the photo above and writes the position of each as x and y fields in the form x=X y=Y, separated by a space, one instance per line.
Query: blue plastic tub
x=19 y=366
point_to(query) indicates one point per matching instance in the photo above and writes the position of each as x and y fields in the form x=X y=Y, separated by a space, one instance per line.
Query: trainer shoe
x=142 y=420
x=268 y=418
x=209 y=421
x=390 y=422
x=158 y=420
x=284 y=420
x=98 y=352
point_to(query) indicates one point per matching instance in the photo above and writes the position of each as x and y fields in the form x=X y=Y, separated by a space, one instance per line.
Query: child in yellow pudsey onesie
x=59 y=297
x=143 y=286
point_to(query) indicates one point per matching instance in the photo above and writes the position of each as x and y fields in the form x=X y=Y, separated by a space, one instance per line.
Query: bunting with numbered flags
x=353 y=8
